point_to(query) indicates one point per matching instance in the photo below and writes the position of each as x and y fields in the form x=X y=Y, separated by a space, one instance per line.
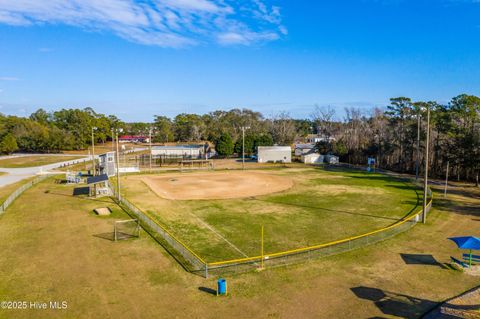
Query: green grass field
x=56 y=249
x=321 y=207
x=31 y=161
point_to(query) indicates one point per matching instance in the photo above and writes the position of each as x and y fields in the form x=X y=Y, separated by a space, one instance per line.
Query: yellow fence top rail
x=303 y=249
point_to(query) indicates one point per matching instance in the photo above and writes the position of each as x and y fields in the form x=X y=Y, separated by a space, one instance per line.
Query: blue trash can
x=222 y=287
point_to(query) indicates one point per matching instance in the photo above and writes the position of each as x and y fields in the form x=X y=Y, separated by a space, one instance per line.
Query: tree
x=322 y=118
x=283 y=129
x=224 y=145
x=8 y=144
x=249 y=144
x=262 y=140
x=40 y=116
x=189 y=127
x=163 y=129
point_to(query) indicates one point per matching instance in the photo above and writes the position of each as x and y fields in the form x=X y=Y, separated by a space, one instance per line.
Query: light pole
x=243 y=145
x=113 y=140
x=93 y=151
x=119 y=197
x=425 y=182
x=418 y=146
x=150 y=130
x=446 y=180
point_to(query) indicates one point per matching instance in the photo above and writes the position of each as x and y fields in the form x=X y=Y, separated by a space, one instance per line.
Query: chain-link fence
x=304 y=254
x=194 y=263
x=10 y=199
x=177 y=249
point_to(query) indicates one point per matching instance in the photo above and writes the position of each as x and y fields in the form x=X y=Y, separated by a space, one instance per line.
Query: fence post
x=206 y=271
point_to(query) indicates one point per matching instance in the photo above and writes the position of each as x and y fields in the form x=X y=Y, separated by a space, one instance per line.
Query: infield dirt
x=217 y=185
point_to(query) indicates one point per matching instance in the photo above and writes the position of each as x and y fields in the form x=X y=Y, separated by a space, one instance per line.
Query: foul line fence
x=10 y=199
x=192 y=262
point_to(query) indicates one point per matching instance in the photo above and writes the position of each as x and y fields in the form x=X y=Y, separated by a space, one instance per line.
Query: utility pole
x=446 y=180
x=150 y=142
x=113 y=140
x=243 y=145
x=425 y=185
x=93 y=152
x=119 y=197
x=417 y=164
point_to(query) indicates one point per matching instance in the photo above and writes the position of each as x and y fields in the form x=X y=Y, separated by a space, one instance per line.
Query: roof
x=275 y=148
x=177 y=147
x=97 y=179
x=304 y=146
x=467 y=242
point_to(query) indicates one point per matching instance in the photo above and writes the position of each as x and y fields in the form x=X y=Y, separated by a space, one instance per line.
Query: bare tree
x=282 y=128
x=323 y=116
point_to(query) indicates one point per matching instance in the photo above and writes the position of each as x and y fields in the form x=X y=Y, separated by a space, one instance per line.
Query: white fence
x=19 y=191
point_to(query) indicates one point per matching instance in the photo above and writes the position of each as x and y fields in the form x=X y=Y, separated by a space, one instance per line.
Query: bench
x=475 y=258
x=459 y=262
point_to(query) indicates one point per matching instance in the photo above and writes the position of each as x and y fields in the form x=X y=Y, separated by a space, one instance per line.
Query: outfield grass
x=322 y=206
x=31 y=161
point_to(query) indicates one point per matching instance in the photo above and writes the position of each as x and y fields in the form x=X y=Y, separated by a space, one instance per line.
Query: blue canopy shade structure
x=467 y=242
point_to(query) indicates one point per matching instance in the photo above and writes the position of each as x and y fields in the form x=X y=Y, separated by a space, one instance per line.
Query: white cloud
x=166 y=23
x=8 y=78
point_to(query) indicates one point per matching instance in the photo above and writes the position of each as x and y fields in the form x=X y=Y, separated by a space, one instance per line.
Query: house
x=315 y=138
x=180 y=151
x=282 y=154
x=313 y=158
x=106 y=164
x=301 y=149
x=331 y=159
x=133 y=139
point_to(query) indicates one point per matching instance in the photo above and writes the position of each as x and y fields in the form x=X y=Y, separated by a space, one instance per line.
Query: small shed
x=281 y=154
x=332 y=159
x=302 y=149
x=313 y=158
x=98 y=185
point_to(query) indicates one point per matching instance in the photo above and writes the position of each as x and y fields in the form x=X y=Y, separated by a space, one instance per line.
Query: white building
x=315 y=138
x=106 y=164
x=190 y=151
x=313 y=158
x=282 y=154
x=331 y=159
x=301 y=149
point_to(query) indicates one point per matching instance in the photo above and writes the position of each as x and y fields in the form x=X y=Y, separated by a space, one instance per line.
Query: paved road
x=17 y=174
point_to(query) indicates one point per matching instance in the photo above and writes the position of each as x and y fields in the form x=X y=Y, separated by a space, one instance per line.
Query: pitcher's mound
x=217 y=185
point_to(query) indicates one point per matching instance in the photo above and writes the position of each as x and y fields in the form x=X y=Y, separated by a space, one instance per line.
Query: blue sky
x=137 y=59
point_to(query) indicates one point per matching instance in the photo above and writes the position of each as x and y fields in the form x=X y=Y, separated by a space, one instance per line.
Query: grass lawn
x=322 y=206
x=56 y=250
x=7 y=190
x=31 y=161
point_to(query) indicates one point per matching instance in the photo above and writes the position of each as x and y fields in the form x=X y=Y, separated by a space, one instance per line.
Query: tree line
x=394 y=135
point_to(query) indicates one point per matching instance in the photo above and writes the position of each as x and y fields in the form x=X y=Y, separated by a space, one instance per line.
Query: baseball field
x=219 y=214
